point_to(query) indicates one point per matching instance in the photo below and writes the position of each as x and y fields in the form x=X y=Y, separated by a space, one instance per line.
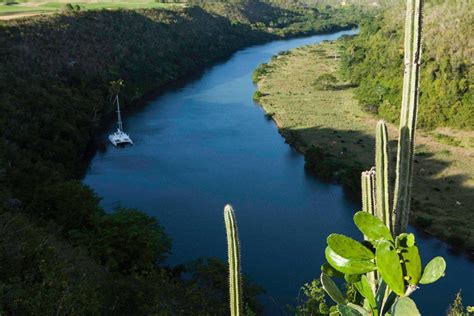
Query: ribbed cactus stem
x=369 y=206
x=404 y=170
x=382 y=175
x=368 y=191
x=233 y=247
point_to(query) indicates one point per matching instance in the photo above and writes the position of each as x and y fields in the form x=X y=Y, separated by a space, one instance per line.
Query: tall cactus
x=375 y=183
x=396 y=218
x=233 y=246
x=382 y=175
x=404 y=169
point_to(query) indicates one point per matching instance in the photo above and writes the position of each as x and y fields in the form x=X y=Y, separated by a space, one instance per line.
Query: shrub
x=325 y=82
x=126 y=241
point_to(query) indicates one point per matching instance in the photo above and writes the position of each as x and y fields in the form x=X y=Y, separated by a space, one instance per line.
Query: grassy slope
x=444 y=174
x=38 y=7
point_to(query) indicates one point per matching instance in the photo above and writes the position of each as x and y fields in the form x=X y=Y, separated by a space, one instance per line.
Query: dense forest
x=61 y=253
x=374 y=59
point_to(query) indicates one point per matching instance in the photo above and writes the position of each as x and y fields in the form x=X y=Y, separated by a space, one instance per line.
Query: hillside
x=61 y=253
x=337 y=137
x=333 y=123
x=373 y=59
x=287 y=18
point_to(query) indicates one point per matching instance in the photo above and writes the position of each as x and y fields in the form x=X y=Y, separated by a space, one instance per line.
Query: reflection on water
x=206 y=144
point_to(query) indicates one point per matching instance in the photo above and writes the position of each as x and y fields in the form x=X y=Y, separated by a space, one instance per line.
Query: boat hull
x=120 y=139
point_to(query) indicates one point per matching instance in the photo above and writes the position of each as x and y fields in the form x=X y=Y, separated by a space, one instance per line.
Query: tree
x=127 y=241
x=70 y=204
x=325 y=82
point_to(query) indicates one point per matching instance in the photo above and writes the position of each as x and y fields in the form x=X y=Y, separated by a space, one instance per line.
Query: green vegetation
x=384 y=270
x=335 y=134
x=457 y=308
x=325 y=82
x=373 y=60
x=61 y=252
x=286 y=18
x=233 y=249
x=24 y=8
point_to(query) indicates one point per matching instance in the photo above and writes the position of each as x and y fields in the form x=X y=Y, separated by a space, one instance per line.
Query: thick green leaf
x=372 y=227
x=433 y=270
x=363 y=287
x=404 y=306
x=358 y=308
x=389 y=267
x=331 y=288
x=352 y=278
x=346 y=310
x=405 y=240
x=329 y=270
x=348 y=266
x=349 y=248
x=412 y=263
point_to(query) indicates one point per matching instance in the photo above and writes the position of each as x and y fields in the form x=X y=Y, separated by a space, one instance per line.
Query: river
x=206 y=143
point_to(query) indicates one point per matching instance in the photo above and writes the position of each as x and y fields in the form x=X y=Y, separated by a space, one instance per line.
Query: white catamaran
x=119 y=138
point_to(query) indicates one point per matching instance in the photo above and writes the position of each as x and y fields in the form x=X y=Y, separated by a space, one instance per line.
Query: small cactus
x=233 y=246
x=368 y=191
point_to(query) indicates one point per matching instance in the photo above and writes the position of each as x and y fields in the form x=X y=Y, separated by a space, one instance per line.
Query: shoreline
x=343 y=131
x=138 y=104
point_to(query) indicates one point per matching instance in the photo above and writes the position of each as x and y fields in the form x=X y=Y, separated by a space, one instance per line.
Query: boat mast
x=119 y=118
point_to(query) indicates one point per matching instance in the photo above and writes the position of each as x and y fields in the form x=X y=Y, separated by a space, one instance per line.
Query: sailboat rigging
x=119 y=138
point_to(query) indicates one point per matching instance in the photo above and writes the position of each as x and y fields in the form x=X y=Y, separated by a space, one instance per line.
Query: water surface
x=205 y=144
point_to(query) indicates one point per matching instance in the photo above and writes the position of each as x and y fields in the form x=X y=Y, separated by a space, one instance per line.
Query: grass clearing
x=21 y=9
x=331 y=119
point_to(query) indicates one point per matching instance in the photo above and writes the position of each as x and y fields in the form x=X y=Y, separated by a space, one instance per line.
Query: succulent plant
x=409 y=111
x=396 y=261
x=233 y=247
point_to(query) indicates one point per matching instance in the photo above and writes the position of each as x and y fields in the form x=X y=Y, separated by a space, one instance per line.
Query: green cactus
x=375 y=183
x=368 y=191
x=382 y=175
x=375 y=196
x=404 y=168
x=233 y=246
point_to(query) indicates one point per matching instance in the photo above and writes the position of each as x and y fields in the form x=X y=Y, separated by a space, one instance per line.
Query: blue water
x=205 y=144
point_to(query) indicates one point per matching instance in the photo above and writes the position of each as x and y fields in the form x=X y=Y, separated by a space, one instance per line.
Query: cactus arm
x=368 y=191
x=365 y=199
x=382 y=175
x=404 y=169
x=233 y=247
x=368 y=205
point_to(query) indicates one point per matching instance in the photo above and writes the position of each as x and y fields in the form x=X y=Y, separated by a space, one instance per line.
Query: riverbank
x=323 y=121
x=55 y=73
